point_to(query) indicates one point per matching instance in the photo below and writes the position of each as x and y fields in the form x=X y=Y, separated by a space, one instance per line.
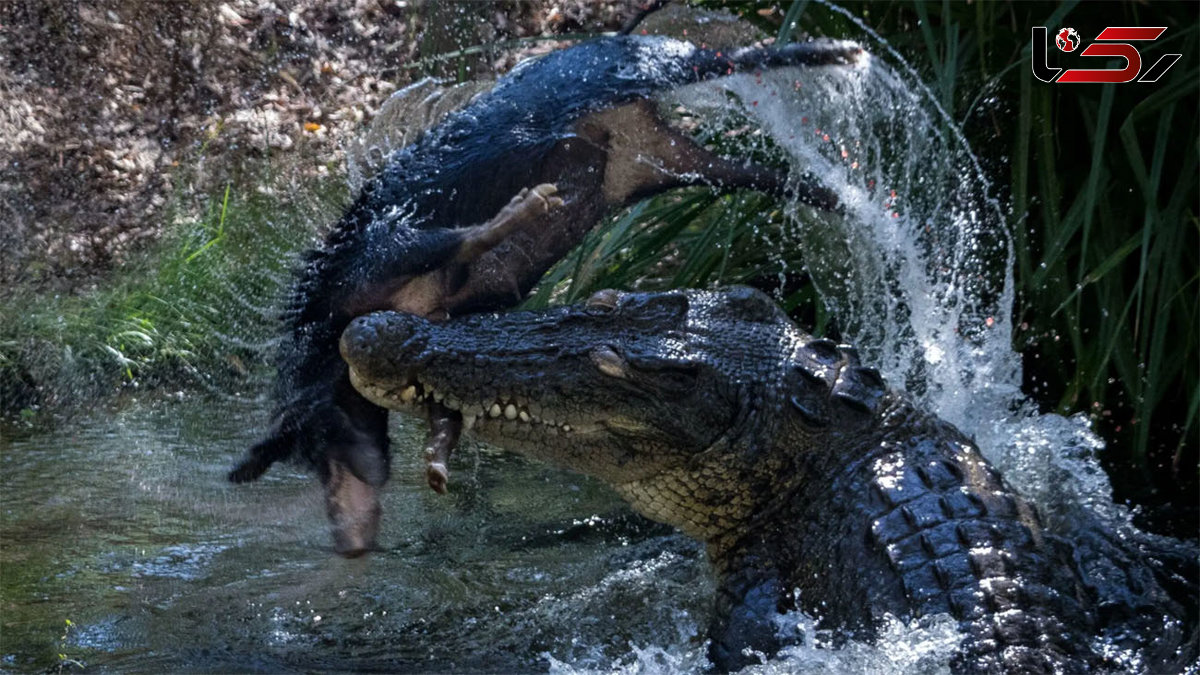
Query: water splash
x=918 y=646
x=915 y=267
x=918 y=265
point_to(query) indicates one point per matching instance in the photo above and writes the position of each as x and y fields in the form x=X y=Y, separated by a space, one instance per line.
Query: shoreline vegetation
x=1101 y=182
x=196 y=309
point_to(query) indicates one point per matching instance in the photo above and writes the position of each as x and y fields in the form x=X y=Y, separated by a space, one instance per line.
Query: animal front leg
x=440 y=292
x=750 y=597
x=445 y=426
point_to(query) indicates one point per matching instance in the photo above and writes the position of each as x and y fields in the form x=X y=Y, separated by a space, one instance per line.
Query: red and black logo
x=1067 y=40
x=1112 y=41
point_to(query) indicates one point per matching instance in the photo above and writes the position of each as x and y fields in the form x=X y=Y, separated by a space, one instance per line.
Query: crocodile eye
x=605 y=299
x=609 y=362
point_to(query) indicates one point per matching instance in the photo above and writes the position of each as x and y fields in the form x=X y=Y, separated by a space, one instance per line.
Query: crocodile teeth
x=503 y=406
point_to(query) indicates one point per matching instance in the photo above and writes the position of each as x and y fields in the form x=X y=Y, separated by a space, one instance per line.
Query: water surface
x=123 y=524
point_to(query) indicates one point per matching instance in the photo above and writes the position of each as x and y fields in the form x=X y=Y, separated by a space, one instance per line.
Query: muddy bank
x=110 y=109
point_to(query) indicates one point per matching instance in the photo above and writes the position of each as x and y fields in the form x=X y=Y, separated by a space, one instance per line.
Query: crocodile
x=438 y=231
x=813 y=485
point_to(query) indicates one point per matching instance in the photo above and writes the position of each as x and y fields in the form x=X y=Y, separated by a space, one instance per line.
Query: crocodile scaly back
x=898 y=514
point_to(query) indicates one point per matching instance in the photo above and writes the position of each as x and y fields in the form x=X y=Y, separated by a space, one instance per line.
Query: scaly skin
x=806 y=477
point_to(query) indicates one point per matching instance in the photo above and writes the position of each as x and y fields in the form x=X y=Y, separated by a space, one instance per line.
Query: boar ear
x=282 y=441
x=276 y=446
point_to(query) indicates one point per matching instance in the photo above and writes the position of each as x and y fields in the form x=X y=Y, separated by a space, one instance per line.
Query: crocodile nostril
x=385 y=337
x=360 y=333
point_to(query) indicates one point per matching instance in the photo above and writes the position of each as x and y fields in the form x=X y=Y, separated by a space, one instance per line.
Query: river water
x=122 y=523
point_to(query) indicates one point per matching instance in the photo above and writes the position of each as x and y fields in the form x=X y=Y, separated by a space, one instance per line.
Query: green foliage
x=198 y=307
x=689 y=239
x=65 y=662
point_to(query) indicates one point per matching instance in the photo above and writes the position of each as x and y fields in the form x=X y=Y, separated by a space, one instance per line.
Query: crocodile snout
x=383 y=341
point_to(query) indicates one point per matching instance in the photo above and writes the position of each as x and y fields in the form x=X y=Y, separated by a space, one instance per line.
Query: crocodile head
x=648 y=392
x=812 y=485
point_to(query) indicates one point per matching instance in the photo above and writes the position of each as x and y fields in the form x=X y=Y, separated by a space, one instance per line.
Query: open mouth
x=419 y=392
x=449 y=414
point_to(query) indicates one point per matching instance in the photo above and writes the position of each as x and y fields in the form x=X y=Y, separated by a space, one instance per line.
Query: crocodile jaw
x=499 y=411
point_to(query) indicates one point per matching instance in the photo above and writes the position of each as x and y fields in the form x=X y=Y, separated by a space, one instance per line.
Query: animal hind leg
x=647 y=156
